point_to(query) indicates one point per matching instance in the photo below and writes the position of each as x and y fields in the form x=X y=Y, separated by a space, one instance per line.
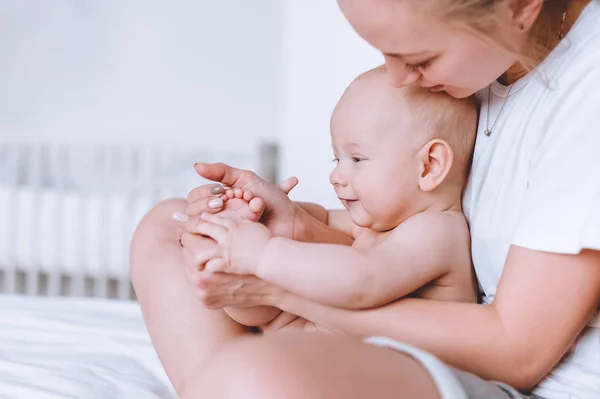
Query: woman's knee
x=155 y=227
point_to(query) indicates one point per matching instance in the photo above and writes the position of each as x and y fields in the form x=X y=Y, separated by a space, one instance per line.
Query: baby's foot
x=241 y=204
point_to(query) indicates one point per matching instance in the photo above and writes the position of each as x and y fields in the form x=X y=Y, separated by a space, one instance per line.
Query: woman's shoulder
x=578 y=55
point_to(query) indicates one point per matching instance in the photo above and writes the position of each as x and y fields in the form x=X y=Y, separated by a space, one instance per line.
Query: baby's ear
x=435 y=161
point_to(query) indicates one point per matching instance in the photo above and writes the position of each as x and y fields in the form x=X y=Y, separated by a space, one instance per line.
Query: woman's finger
x=207 y=204
x=207 y=190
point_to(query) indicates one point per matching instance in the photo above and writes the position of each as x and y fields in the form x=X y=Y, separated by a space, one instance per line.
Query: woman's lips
x=436 y=88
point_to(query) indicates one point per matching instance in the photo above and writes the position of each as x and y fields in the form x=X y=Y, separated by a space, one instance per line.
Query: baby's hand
x=240 y=244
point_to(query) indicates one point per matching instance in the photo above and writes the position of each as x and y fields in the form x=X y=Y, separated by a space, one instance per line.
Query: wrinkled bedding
x=54 y=348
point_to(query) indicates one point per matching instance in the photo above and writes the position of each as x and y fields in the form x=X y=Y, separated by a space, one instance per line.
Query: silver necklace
x=488 y=131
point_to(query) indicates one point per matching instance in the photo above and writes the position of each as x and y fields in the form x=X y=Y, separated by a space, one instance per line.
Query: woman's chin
x=459 y=92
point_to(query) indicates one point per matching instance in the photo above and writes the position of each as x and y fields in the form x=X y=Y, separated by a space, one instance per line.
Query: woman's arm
x=543 y=302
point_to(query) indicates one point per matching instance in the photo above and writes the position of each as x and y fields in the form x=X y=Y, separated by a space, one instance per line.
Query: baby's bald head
x=413 y=114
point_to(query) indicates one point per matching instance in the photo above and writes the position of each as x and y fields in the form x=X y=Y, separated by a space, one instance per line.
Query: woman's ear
x=525 y=13
x=435 y=159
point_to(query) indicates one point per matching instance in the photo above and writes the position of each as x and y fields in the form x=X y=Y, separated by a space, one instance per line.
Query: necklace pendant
x=487 y=132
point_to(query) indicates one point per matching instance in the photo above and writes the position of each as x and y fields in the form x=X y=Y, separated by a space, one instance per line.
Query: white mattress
x=77 y=348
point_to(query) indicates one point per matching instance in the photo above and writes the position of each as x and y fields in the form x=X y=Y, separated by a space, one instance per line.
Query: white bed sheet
x=77 y=348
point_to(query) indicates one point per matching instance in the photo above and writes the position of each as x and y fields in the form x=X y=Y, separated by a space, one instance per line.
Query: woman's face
x=419 y=47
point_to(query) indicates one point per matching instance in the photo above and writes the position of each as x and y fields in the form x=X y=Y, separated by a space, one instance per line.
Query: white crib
x=67 y=212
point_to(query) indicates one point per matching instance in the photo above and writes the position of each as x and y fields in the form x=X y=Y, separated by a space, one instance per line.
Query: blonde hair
x=482 y=18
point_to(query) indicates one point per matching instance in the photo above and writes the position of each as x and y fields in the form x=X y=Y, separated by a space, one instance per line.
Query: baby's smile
x=347 y=202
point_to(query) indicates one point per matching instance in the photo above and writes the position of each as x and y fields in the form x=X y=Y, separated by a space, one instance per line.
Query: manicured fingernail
x=216 y=189
x=181 y=217
x=215 y=203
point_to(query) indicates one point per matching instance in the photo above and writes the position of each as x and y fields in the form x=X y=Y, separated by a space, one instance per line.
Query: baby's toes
x=239 y=193
x=257 y=207
x=229 y=193
x=248 y=195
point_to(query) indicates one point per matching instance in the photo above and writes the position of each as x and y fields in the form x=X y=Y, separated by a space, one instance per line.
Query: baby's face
x=376 y=172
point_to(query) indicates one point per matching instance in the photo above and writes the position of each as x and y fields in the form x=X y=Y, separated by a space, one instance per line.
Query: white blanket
x=77 y=348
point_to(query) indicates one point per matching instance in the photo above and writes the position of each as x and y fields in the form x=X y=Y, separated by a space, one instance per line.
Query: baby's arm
x=243 y=205
x=417 y=252
x=338 y=219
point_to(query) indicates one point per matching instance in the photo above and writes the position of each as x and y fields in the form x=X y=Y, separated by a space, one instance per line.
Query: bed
x=69 y=323
x=55 y=348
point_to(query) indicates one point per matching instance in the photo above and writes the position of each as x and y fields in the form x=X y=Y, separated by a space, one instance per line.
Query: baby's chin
x=368 y=222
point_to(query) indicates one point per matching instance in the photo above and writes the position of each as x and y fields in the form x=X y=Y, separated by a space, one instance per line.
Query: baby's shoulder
x=439 y=224
x=447 y=232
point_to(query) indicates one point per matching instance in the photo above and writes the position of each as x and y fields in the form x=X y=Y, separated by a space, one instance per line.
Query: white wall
x=188 y=73
x=321 y=56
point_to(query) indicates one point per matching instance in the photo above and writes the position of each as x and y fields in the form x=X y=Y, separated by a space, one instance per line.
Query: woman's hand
x=221 y=290
x=280 y=212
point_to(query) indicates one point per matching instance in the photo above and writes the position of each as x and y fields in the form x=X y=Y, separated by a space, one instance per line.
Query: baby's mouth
x=348 y=202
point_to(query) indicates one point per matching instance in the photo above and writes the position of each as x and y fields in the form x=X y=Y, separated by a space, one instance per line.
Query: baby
x=402 y=156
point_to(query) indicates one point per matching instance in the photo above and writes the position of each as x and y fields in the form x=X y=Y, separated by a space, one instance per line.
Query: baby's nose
x=336 y=178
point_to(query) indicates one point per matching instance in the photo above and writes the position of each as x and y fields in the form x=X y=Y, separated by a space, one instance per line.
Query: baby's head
x=399 y=151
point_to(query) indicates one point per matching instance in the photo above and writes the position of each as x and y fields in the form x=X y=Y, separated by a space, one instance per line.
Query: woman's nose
x=398 y=73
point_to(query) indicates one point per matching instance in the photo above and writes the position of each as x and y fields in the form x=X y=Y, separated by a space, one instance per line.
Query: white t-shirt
x=535 y=180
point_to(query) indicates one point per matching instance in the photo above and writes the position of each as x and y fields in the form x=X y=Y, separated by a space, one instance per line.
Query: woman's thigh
x=310 y=365
x=183 y=331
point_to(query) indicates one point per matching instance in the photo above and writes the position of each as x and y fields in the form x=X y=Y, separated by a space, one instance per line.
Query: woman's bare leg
x=302 y=365
x=183 y=331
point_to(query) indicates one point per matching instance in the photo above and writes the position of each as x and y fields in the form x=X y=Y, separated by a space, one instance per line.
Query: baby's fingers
x=206 y=256
x=216 y=265
x=217 y=232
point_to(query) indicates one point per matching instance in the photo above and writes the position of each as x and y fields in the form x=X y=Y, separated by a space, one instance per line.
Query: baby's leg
x=287 y=322
x=238 y=204
x=183 y=331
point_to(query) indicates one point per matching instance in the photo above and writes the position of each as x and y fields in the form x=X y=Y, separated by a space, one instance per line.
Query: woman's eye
x=356 y=159
x=335 y=160
x=418 y=67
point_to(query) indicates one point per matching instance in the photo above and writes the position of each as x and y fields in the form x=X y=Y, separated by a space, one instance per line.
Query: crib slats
x=68 y=213
x=32 y=168
x=10 y=268
x=57 y=179
x=105 y=158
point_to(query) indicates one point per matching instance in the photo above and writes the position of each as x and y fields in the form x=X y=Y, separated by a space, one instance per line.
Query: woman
x=533 y=203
